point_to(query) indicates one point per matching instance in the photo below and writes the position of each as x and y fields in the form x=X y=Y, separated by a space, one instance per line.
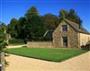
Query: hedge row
x=16 y=41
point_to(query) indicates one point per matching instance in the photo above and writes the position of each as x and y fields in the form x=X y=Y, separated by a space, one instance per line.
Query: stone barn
x=70 y=34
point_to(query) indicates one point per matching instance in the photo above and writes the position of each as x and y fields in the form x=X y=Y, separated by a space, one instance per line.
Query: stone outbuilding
x=70 y=34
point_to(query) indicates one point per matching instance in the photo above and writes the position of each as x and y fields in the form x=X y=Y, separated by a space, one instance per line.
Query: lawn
x=49 y=54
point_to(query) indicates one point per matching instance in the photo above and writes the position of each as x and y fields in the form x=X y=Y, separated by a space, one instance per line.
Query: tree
x=2 y=41
x=63 y=14
x=3 y=37
x=36 y=24
x=31 y=12
x=3 y=44
x=51 y=21
x=3 y=28
x=74 y=17
x=70 y=15
x=23 y=29
x=12 y=27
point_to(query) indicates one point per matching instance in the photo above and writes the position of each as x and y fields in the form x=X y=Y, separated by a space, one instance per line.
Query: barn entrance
x=65 y=42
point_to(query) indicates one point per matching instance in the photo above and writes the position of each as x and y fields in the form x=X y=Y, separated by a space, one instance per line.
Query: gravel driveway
x=15 y=46
x=19 y=63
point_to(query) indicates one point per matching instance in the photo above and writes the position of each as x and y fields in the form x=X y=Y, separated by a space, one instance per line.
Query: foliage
x=63 y=14
x=33 y=26
x=55 y=54
x=23 y=28
x=31 y=11
x=36 y=24
x=3 y=43
x=12 y=27
x=50 y=21
x=70 y=15
x=86 y=47
x=2 y=37
x=14 y=41
x=74 y=17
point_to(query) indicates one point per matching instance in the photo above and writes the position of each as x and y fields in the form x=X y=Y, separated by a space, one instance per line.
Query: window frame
x=64 y=28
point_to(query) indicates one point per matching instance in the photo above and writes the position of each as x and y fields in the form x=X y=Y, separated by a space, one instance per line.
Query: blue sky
x=16 y=8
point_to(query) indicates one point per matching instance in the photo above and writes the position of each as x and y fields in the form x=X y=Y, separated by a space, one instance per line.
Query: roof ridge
x=81 y=30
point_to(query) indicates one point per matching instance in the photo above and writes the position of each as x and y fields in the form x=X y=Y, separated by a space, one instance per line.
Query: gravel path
x=18 y=63
x=15 y=46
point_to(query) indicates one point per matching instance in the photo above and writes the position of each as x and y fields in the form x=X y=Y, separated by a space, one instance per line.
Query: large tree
x=51 y=21
x=63 y=14
x=23 y=29
x=36 y=23
x=3 y=38
x=3 y=43
x=12 y=27
x=2 y=26
x=32 y=11
x=73 y=16
x=70 y=15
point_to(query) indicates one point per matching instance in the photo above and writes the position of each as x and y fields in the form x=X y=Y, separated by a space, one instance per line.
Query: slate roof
x=72 y=24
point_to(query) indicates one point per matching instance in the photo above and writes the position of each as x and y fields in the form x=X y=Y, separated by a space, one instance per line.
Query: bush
x=14 y=41
x=86 y=47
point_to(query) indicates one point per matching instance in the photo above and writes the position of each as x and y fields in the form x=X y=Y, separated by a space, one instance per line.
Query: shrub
x=86 y=47
x=16 y=41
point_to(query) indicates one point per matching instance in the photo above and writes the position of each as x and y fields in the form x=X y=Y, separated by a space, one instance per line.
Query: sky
x=16 y=8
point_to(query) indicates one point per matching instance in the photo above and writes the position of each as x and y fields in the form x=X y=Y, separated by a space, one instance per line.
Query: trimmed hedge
x=14 y=41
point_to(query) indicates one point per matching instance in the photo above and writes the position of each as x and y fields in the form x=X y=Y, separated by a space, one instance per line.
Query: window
x=64 y=28
x=65 y=41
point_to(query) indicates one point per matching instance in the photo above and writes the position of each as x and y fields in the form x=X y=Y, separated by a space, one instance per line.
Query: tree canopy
x=31 y=12
x=33 y=26
x=12 y=27
x=2 y=36
x=36 y=23
x=51 y=21
x=70 y=15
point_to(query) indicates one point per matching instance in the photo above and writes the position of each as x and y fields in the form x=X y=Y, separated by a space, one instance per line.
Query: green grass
x=49 y=54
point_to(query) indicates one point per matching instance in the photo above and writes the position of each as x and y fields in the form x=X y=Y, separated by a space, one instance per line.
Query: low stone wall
x=40 y=44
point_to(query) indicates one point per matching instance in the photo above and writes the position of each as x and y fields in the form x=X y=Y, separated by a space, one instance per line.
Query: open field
x=49 y=54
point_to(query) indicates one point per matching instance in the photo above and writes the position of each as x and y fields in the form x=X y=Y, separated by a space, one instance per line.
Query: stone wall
x=56 y=37
x=40 y=44
x=73 y=38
